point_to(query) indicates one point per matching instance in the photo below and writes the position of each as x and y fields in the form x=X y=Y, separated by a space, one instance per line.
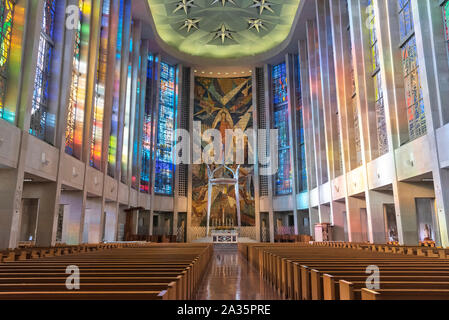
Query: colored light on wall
x=75 y=119
x=112 y=155
x=166 y=128
x=126 y=123
x=446 y=22
x=100 y=89
x=6 y=25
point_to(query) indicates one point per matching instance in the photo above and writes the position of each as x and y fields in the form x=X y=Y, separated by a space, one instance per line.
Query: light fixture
x=27 y=180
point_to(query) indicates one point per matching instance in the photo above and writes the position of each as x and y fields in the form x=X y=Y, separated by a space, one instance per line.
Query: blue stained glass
x=301 y=154
x=145 y=173
x=39 y=108
x=281 y=117
x=280 y=93
x=165 y=131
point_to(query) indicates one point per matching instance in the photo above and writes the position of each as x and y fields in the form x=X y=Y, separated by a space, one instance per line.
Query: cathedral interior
x=212 y=146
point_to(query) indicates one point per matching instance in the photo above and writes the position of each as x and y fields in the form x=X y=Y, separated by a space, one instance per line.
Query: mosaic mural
x=223 y=104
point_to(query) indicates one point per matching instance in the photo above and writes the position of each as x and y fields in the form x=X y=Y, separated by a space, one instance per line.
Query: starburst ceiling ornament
x=223 y=33
x=256 y=24
x=189 y=24
x=184 y=4
x=262 y=5
x=223 y=2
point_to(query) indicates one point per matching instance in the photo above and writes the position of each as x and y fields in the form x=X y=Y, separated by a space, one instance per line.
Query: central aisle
x=230 y=277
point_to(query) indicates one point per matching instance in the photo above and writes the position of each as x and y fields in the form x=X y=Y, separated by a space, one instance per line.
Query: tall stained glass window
x=39 y=108
x=413 y=91
x=100 y=88
x=112 y=157
x=301 y=150
x=280 y=121
x=377 y=79
x=126 y=122
x=446 y=22
x=165 y=130
x=6 y=25
x=353 y=101
x=145 y=172
x=75 y=118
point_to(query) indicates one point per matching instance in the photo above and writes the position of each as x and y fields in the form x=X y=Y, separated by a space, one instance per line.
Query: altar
x=225 y=236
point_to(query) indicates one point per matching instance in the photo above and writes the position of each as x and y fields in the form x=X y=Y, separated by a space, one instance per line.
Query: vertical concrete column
x=376 y=219
x=314 y=80
x=268 y=119
x=291 y=81
x=178 y=106
x=256 y=104
x=191 y=103
x=73 y=203
x=354 y=207
x=307 y=121
x=434 y=70
x=21 y=96
x=338 y=210
x=155 y=122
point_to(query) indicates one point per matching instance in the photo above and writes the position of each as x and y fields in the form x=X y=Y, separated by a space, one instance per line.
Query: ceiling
x=223 y=29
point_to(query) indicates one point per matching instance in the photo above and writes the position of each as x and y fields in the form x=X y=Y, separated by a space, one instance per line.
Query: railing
x=248 y=232
x=200 y=232
x=196 y=233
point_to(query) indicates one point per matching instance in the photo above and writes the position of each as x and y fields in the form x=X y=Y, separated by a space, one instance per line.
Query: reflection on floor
x=230 y=277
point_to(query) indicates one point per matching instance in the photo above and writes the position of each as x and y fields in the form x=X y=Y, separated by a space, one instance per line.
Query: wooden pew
x=405 y=294
x=172 y=268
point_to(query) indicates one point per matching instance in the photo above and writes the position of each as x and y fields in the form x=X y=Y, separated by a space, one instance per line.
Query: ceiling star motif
x=194 y=28
x=189 y=24
x=262 y=5
x=223 y=2
x=223 y=33
x=256 y=24
x=184 y=4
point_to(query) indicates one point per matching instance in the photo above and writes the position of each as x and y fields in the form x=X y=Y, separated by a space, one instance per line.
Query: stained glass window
x=165 y=130
x=413 y=91
x=100 y=88
x=377 y=79
x=75 y=118
x=39 y=112
x=6 y=25
x=301 y=152
x=112 y=158
x=280 y=121
x=280 y=84
x=446 y=22
x=145 y=172
x=357 y=138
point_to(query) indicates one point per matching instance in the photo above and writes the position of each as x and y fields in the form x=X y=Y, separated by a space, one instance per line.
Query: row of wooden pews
x=130 y=271
x=338 y=271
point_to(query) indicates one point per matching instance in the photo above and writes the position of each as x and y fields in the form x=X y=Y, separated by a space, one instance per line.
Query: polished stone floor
x=230 y=277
